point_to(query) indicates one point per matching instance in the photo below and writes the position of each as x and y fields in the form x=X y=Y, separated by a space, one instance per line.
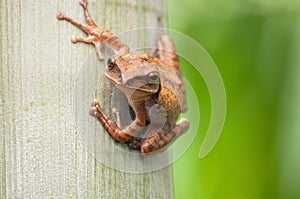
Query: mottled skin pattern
x=152 y=85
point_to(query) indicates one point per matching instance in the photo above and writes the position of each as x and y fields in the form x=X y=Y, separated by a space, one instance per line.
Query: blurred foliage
x=255 y=45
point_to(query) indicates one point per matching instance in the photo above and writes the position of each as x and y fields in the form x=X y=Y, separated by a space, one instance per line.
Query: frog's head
x=134 y=75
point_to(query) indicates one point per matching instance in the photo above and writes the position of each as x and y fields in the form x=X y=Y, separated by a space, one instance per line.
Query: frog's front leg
x=163 y=138
x=118 y=134
x=96 y=35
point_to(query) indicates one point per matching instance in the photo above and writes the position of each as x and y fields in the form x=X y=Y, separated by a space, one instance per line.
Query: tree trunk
x=48 y=143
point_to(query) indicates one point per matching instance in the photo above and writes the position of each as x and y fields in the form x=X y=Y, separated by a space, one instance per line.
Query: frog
x=153 y=85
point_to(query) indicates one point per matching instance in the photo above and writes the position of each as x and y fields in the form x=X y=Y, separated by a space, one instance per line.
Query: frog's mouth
x=137 y=84
x=114 y=77
x=140 y=85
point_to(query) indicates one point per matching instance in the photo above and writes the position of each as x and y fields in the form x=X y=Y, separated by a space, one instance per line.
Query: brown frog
x=153 y=85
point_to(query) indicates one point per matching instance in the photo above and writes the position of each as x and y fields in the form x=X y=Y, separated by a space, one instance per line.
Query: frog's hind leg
x=161 y=139
x=166 y=52
x=166 y=49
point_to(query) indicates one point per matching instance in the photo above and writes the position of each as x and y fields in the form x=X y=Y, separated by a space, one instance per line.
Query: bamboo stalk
x=42 y=153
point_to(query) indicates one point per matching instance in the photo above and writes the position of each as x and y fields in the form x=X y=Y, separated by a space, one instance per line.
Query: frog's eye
x=110 y=63
x=153 y=78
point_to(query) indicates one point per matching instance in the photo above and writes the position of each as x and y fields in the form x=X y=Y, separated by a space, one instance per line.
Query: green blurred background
x=256 y=46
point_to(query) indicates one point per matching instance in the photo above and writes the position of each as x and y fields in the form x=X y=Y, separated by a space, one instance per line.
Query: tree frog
x=153 y=85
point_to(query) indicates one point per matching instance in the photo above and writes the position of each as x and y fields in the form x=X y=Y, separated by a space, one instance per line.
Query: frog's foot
x=135 y=144
x=96 y=110
x=161 y=139
x=96 y=35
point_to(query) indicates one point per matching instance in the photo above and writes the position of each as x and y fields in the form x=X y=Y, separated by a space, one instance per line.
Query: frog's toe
x=135 y=144
x=95 y=108
x=95 y=103
x=83 y=3
x=94 y=112
x=74 y=39
x=60 y=15
x=131 y=146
